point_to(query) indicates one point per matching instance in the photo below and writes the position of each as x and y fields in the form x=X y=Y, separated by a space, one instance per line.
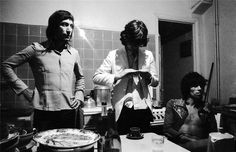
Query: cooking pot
x=102 y=94
x=87 y=148
x=26 y=138
x=25 y=135
x=9 y=143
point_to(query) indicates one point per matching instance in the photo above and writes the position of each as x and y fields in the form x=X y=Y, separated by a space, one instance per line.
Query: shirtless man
x=187 y=121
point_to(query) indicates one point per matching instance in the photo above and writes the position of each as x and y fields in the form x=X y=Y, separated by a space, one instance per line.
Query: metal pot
x=9 y=143
x=102 y=94
x=26 y=138
x=25 y=135
x=58 y=140
x=87 y=148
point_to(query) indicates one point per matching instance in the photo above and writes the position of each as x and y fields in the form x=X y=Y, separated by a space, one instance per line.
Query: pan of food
x=67 y=139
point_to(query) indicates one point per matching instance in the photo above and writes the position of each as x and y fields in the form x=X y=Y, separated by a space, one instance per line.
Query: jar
x=102 y=95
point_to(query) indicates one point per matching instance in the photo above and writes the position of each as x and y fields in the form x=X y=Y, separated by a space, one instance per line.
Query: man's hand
x=77 y=100
x=129 y=104
x=75 y=103
x=146 y=76
x=28 y=94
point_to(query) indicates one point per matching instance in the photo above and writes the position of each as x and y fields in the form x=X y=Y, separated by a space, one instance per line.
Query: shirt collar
x=67 y=48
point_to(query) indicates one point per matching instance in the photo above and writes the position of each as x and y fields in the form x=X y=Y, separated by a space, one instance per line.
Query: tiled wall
x=14 y=37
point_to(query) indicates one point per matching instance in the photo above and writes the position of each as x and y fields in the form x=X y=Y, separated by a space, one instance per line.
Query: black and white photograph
x=117 y=76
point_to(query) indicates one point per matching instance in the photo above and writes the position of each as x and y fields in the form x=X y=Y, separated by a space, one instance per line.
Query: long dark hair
x=135 y=32
x=192 y=79
x=54 y=22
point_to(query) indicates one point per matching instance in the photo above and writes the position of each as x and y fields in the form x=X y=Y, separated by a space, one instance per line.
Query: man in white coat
x=129 y=71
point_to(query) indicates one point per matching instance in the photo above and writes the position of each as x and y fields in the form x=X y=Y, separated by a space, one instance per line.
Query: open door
x=176 y=55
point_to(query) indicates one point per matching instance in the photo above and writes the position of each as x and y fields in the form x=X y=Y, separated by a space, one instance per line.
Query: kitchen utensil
x=102 y=95
x=89 y=103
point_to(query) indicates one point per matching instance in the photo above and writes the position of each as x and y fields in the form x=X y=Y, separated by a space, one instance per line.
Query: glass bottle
x=104 y=109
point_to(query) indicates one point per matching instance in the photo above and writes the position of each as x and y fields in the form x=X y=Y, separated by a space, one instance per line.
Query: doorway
x=176 y=57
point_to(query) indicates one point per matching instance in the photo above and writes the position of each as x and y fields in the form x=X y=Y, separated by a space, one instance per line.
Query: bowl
x=10 y=142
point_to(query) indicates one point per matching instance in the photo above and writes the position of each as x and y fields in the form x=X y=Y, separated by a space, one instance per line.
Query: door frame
x=195 y=43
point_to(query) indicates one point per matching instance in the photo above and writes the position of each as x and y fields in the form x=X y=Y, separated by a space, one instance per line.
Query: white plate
x=66 y=138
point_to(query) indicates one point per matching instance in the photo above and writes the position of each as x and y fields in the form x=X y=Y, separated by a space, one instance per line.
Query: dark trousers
x=196 y=146
x=134 y=118
x=45 y=120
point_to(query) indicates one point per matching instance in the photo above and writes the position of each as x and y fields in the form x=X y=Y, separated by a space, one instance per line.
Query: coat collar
x=141 y=59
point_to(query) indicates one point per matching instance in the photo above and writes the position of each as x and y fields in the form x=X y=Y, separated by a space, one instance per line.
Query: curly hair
x=136 y=33
x=191 y=79
x=54 y=22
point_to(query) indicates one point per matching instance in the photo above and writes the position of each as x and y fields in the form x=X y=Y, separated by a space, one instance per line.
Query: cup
x=158 y=143
x=134 y=132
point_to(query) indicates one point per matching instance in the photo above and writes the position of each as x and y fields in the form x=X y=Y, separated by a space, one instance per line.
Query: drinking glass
x=158 y=143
